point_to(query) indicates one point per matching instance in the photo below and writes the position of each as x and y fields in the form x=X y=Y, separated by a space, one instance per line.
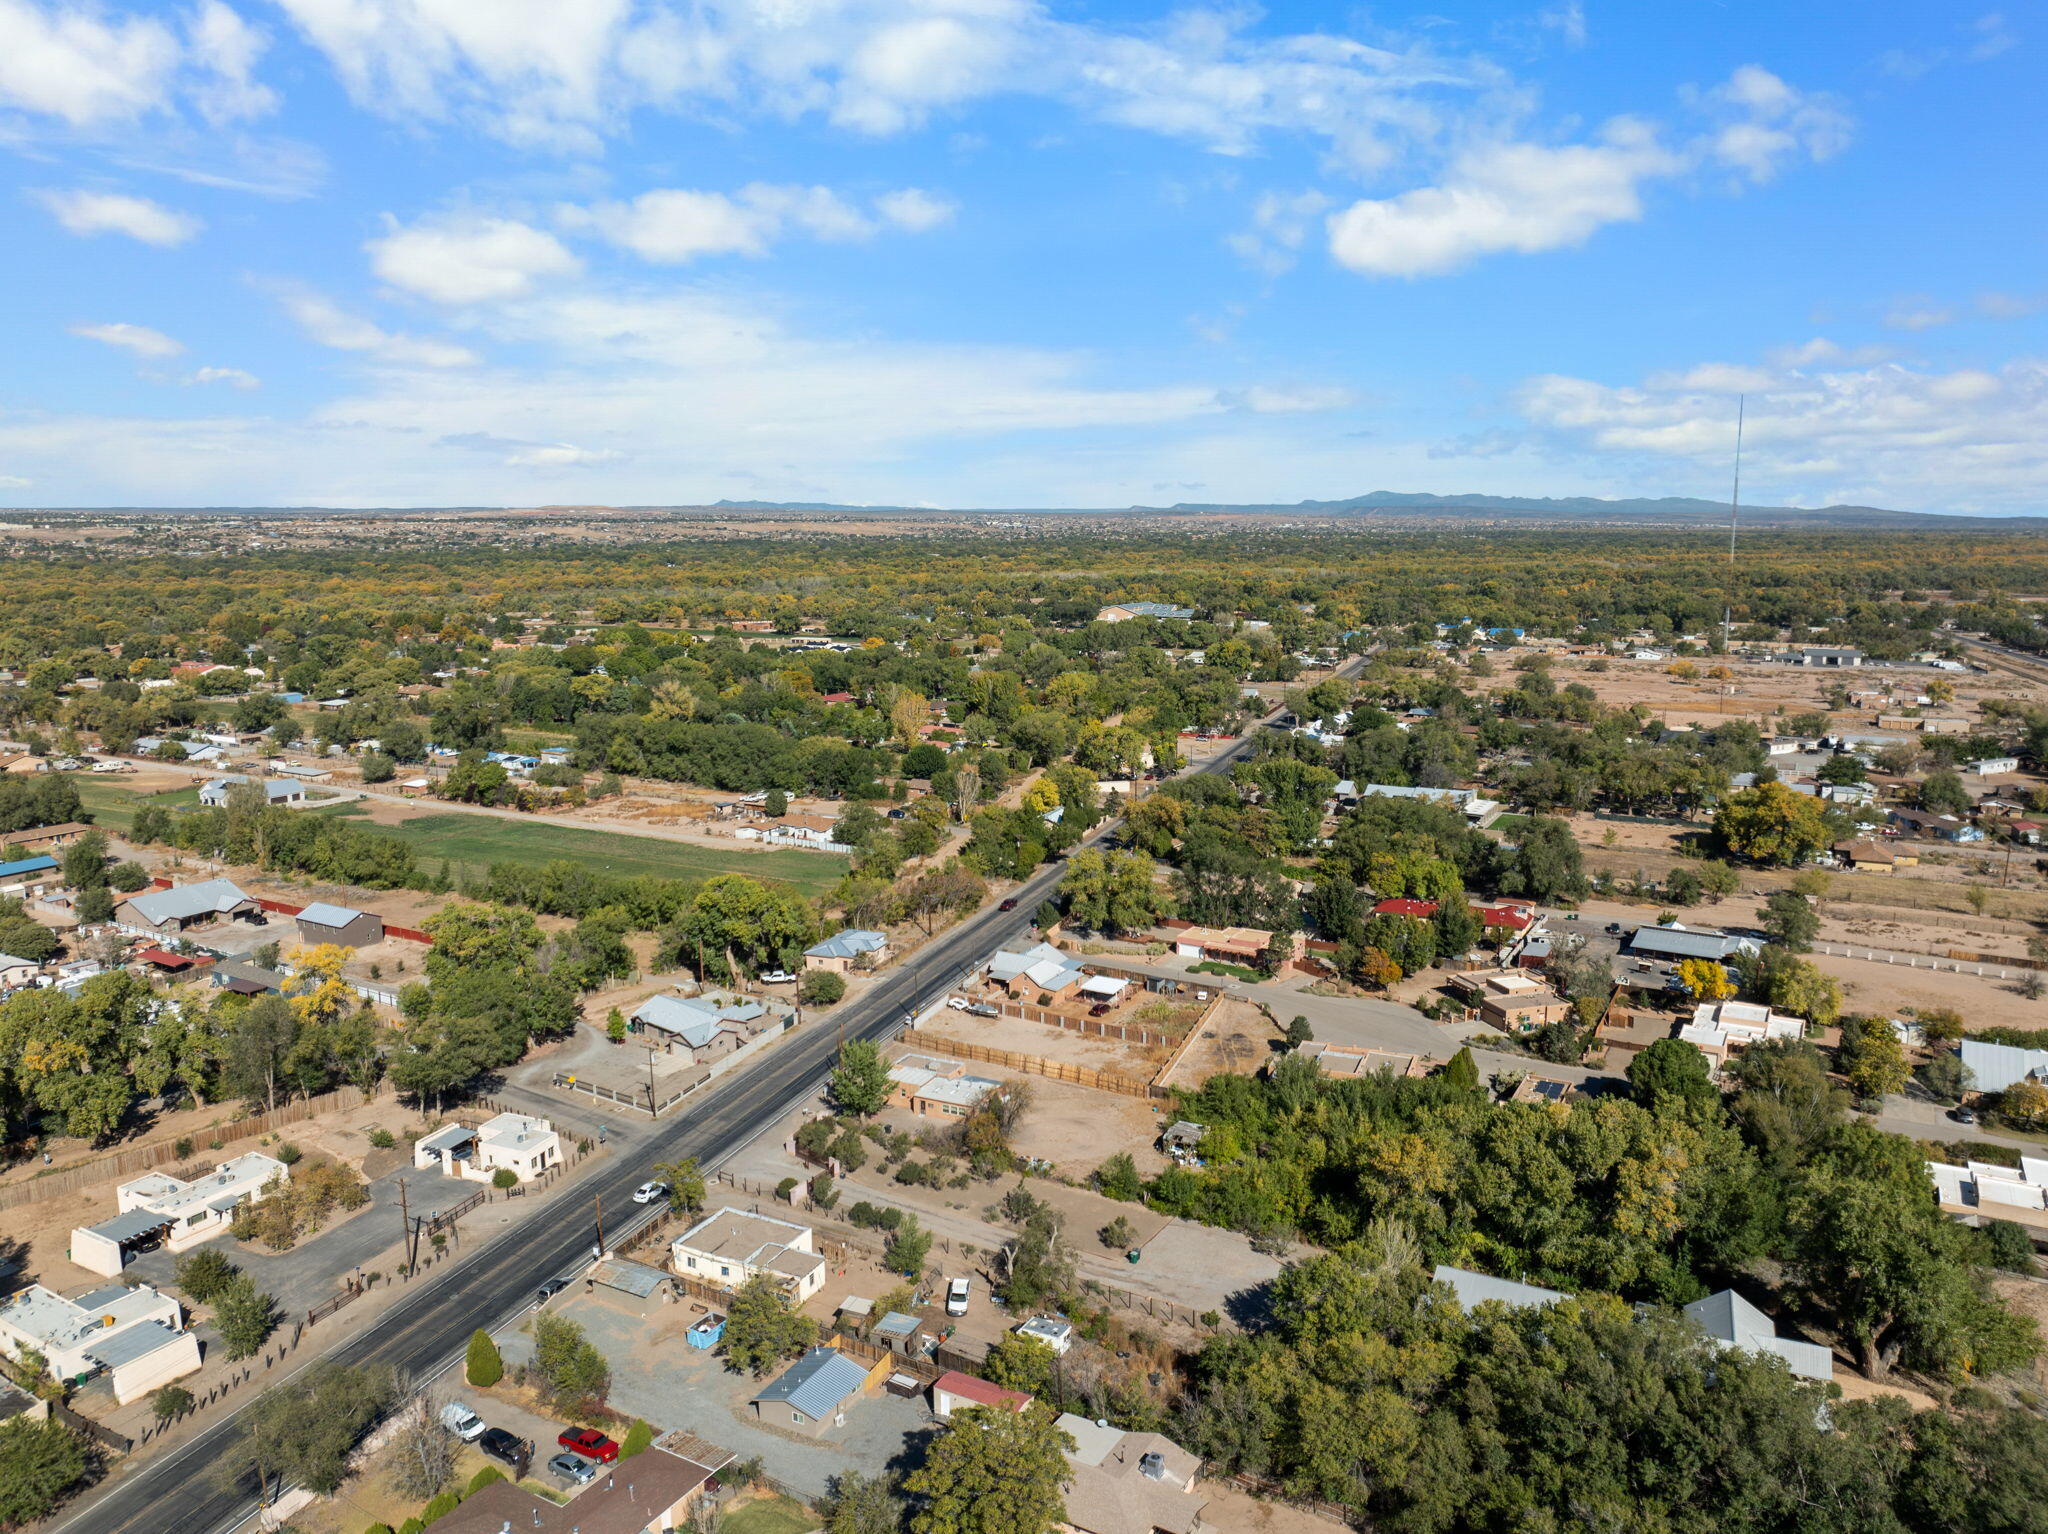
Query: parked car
x=588 y=1442
x=548 y=1291
x=1962 y=1115
x=462 y=1422
x=777 y=977
x=957 y=1003
x=956 y=1297
x=981 y=1009
x=648 y=1192
x=508 y=1449
x=1100 y=1009
x=570 y=1468
x=1008 y=905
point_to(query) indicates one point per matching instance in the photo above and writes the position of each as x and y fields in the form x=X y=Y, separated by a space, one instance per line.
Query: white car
x=957 y=1003
x=956 y=1297
x=648 y=1192
x=462 y=1422
x=777 y=977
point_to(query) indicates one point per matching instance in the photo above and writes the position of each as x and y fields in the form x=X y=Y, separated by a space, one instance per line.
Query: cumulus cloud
x=560 y=455
x=330 y=325
x=469 y=259
x=1528 y=198
x=234 y=378
x=150 y=345
x=673 y=225
x=1966 y=439
x=90 y=213
x=1918 y=314
x=91 y=71
x=1281 y=222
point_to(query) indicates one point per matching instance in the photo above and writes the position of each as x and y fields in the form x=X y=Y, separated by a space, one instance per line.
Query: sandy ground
x=1048 y=1042
x=1240 y=1040
x=1871 y=987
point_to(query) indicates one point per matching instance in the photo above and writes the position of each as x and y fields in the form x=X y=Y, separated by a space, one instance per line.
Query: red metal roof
x=1421 y=910
x=163 y=958
x=968 y=1388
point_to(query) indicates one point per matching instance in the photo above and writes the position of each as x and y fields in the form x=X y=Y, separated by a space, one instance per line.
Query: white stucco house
x=136 y=1336
x=520 y=1143
x=731 y=1246
x=157 y=1209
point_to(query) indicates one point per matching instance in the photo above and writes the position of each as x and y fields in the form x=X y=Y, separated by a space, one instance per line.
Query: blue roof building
x=811 y=1395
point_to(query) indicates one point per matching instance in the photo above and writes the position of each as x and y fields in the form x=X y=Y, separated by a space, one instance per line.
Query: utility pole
x=405 y=1219
x=650 y=1081
x=600 y=1224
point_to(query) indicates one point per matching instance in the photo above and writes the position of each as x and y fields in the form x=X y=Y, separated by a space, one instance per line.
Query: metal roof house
x=811 y=1395
x=1735 y=1323
x=1997 y=1066
x=1477 y=1288
x=843 y=950
x=185 y=906
x=214 y=793
x=704 y=1028
x=323 y=922
x=1123 y=612
x=1677 y=943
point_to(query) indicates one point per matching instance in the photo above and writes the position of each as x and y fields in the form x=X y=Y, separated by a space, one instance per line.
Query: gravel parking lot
x=658 y=1376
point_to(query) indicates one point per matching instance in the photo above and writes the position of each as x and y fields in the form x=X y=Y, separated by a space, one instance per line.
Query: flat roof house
x=704 y=1028
x=322 y=922
x=1720 y=1029
x=812 y=1394
x=1129 y=1483
x=157 y=1209
x=185 y=906
x=1512 y=1000
x=936 y=1088
x=1356 y=1060
x=519 y=1143
x=136 y=1336
x=731 y=1246
x=843 y=950
x=1234 y=945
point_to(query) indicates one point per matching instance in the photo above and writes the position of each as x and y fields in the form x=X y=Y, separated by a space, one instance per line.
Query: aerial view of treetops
x=1510 y=835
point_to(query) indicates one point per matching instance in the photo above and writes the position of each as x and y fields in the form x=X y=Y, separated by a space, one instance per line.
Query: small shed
x=899 y=1333
x=322 y=922
x=648 y=1287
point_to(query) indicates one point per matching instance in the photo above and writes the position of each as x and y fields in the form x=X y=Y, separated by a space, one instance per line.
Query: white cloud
x=330 y=325
x=469 y=259
x=560 y=455
x=14 y=482
x=1515 y=196
x=1965 y=440
x=1918 y=315
x=152 y=345
x=1280 y=227
x=234 y=378
x=1567 y=19
x=2010 y=306
x=1520 y=197
x=1299 y=399
x=224 y=49
x=673 y=224
x=1984 y=38
x=90 y=213
x=915 y=209
x=66 y=61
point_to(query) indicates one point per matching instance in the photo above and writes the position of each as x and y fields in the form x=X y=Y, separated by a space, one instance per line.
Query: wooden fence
x=99 y=1432
x=1034 y=1065
x=1090 y=1027
x=81 y=1175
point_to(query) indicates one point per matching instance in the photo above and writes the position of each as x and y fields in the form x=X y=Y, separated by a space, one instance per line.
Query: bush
x=786 y=1187
x=490 y=1475
x=382 y=1139
x=823 y=1193
x=2010 y=1245
x=504 y=1177
x=183 y=1147
x=410 y=1526
x=639 y=1438
x=484 y=1367
x=440 y=1507
x=378 y=1528
x=289 y=1153
x=379 y=768
x=820 y=988
x=127 y=877
x=168 y=1401
x=205 y=1275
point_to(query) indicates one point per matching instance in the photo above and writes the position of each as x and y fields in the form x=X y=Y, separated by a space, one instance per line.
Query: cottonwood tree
x=762 y=1327
x=993 y=1471
x=860 y=1082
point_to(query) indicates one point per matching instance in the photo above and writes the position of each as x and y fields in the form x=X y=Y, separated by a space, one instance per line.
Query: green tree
x=993 y=1471
x=762 y=1328
x=638 y=1440
x=1790 y=921
x=1022 y=1363
x=821 y=988
x=1771 y=825
x=574 y=1376
x=483 y=1367
x=1462 y=1073
x=1112 y=892
x=741 y=926
x=1544 y=864
x=860 y=1083
x=1718 y=880
x=861 y=1504
x=1791 y=984
x=1037 y=1267
x=1873 y=1058
x=303 y=1432
x=243 y=1317
x=1942 y=793
x=204 y=1275
x=1671 y=1071
x=685 y=1181
x=1118 y=1178
x=908 y=1246
x=40 y=1463
x=169 y=1401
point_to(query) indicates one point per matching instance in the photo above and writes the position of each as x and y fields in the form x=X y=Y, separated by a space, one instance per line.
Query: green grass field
x=113 y=806
x=779 y=1515
x=471 y=843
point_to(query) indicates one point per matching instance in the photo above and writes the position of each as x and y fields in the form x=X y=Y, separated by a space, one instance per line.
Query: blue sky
x=1013 y=253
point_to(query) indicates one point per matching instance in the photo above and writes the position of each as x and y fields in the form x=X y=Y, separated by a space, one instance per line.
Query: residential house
x=1721 y=1029
x=1123 y=612
x=812 y=1394
x=1993 y=1189
x=846 y=950
x=44 y=838
x=25 y=878
x=1677 y=943
x=1056 y=1332
x=135 y=1335
x=214 y=792
x=1129 y=1483
x=322 y=922
x=1992 y=766
x=1230 y=945
x=933 y=1087
x=185 y=906
x=1827 y=655
x=1040 y=970
x=1512 y=1000
x=519 y=1143
x=157 y=1209
x=23 y=764
x=1735 y=1323
x=1475 y=1289
x=1869 y=857
x=654 y=1492
x=729 y=1247
x=1994 y=1067
x=706 y=1028
x=1352 y=1060
x=1929 y=826
x=245 y=977
x=953 y=1390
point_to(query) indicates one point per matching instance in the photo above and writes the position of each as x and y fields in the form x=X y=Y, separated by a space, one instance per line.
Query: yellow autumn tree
x=1705 y=980
x=316 y=990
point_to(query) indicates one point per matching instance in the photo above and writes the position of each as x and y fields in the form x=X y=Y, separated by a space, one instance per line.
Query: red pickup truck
x=590 y=1443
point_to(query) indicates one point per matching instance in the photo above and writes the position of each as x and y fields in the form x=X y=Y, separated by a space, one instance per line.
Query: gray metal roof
x=1475 y=1288
x=209 y=897
x=848 y=944
x=634 y=1278
x=896 y=1324
x=1733 y=1322
x=1998 y=1066
x=1686 y=944
x=131 y=1343
x=127 y=1227
x=322 y=913
x=816 y=1383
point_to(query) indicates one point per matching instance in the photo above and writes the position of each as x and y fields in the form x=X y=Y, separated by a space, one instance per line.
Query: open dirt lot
x=1871 y=987
x=1048 y=1042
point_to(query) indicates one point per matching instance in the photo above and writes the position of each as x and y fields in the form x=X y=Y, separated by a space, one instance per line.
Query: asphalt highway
x=179 y=1494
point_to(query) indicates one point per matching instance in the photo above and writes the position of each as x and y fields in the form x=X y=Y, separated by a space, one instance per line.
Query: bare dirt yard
x=1048 y=1042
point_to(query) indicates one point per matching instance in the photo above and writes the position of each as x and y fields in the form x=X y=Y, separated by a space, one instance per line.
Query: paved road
x=429 y=1328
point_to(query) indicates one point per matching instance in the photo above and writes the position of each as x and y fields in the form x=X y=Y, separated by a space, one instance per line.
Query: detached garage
x=324 y=923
